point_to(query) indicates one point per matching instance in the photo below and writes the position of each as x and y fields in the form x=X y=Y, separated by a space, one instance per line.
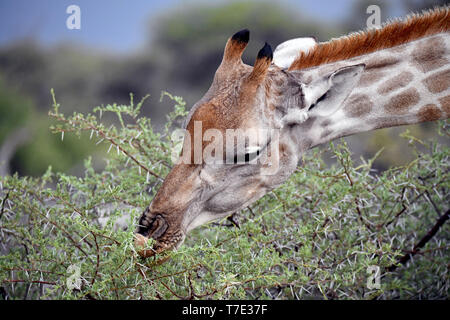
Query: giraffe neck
x=406 y=84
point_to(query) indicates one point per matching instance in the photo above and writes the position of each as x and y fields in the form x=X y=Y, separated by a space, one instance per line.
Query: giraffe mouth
x=154 y=227
x=157 y=228
x=142 y=248
x=140 y=243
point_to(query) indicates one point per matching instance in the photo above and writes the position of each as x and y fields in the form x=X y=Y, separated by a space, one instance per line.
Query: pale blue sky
x=118 y=25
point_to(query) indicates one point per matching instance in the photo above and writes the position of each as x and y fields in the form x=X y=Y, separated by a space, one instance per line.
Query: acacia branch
x=98 y=259
x=29 y=281
x=105 y=137
x=112 y=141
x=430 y=234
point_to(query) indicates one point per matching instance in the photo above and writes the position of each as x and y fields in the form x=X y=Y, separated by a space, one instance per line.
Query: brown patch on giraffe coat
x=397 y=82
x=372 y=72
x=400 y=103
x=438 y=82
x=358 y=105
x=445 y=105
x=429 y=55
x=429 y=113
x=369 y=78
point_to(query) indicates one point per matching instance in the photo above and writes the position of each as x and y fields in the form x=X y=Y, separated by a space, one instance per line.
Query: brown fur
x=445 y=104
x=429 y=113
x=259 y=71
x=400 y=103
x=233 y=51
x=430 y=55
x=438 y=82
x=369 y=78
x=397 y=82
x=391 y=35
x=358 y=106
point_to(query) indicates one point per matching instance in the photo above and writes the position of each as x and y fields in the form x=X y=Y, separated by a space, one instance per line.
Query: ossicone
x=235 y=47
x=262 y=64
x=265 y=52
x=241 y=36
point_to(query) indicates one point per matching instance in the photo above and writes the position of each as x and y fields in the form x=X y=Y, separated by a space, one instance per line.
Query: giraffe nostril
x=153 y=227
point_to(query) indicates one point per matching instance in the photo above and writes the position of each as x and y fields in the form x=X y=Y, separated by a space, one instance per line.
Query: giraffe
x=310 y=93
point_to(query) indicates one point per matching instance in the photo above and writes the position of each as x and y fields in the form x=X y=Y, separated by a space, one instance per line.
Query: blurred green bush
x=15 y=110
x=40 y=147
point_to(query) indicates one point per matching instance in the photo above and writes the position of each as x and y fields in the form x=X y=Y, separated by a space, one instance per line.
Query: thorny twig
x=404 y=259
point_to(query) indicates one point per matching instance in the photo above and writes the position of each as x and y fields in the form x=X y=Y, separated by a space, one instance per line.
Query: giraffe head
x=242 y=139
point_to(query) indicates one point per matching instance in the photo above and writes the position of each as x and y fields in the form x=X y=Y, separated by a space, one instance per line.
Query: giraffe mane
x=391 y=34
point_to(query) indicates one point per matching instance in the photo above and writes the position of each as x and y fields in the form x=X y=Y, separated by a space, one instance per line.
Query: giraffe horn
x=262 y=64
x=235 y=47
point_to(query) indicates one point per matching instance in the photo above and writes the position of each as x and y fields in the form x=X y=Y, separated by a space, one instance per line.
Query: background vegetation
x=312 y=238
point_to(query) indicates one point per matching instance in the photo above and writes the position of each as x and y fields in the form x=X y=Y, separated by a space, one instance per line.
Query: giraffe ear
x=326 y=95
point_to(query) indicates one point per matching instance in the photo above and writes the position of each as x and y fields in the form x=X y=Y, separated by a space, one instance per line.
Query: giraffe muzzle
x=153 y=227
